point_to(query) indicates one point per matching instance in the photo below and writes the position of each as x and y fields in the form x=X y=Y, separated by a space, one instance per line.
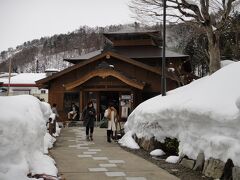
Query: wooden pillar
x=134 y=98
x=119 y=108
x=81 y=101
x=98 y=106
x=137 y=98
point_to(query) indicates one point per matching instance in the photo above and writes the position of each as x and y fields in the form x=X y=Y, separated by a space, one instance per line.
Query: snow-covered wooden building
x=23 y=83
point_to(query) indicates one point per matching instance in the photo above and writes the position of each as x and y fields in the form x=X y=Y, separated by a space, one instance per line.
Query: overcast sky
x=24 y=20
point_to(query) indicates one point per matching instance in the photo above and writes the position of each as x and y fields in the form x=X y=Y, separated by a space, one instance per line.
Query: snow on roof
x=146 y=52
x=6 y=74
x=132 y=52
x=52 y=70
x=131 y=30
x=86 y=56
x=203 y=115
x=24 y=78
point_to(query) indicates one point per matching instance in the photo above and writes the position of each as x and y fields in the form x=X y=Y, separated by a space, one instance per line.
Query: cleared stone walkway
x=78 y=159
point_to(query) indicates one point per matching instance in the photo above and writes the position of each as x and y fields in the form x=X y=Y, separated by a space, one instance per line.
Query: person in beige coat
x=111 y=115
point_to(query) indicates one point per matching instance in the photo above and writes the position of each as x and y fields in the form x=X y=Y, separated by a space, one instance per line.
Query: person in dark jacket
x=89 y=116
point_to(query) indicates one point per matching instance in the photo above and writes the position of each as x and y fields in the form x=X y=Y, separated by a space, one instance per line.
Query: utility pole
x=9 y=75
x=37 y=67
x=163 y=82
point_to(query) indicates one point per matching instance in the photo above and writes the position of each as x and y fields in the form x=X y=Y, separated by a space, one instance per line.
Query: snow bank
x=58 y=130
x=238 y=103
x=157 y=152
x=128 y=141
x=23 y=127
x=203 y=115
x=48 y=142
x=46 y=111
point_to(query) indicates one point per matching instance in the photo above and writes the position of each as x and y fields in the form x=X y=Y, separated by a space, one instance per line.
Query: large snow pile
x=203 y=115
x=23 y=127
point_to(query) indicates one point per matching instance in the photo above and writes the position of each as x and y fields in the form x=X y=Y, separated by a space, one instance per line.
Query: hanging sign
x=126 y=97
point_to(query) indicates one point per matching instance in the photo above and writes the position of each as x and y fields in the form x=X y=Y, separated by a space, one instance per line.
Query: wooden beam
x=136 y=63
x=107 y=89
x=98 y=57
x=103 y=73
x=133 y=42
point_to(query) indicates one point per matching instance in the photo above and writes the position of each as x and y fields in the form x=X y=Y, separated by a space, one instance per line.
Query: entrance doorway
x=106 y=98
x=122 y=101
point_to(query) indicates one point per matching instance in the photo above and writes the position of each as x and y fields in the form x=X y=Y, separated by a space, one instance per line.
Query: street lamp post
x=9 y=76
x=163 y=82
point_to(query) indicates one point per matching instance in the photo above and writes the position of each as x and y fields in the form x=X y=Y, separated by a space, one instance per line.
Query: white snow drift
x=23 y=127
x=128 y=141
x=203 y=116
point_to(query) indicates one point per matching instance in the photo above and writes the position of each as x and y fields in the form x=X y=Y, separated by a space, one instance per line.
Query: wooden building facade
x=126 y=72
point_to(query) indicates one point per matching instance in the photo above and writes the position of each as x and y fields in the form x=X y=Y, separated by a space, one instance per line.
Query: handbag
x=103 y=123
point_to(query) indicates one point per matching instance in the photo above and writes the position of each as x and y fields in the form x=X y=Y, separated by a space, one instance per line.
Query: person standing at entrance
x=54 y=110
x=89 y=116
x=74 y=112
x=111 y=115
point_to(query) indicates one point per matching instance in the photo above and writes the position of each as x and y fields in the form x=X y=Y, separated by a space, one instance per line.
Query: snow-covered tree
x=213 y=16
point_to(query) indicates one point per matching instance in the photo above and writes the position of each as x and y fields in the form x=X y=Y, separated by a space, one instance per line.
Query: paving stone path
x=78 y=159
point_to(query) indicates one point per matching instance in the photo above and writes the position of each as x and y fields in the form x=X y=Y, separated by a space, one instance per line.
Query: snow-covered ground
x=203 y=116
x=23 y=137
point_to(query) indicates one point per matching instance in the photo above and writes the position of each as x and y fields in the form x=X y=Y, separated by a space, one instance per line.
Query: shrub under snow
x=203 y=116
x=23 y=127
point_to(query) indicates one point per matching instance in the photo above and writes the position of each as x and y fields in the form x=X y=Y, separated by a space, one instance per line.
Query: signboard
x=127 y=97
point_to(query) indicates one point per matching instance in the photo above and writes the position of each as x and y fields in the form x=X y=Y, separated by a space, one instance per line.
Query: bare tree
x=213 y=16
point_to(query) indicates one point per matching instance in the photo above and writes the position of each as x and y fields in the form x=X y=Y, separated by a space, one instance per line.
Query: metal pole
x=9 y=76
x=163 y=82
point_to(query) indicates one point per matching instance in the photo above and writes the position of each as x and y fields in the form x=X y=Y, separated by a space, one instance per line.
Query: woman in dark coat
x=89 y=116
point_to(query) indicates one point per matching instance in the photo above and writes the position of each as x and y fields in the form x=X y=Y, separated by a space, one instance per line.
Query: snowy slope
x=203 y=115
x=23 y=127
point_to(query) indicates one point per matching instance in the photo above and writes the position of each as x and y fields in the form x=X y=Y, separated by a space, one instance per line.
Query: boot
x=91 y=137
x=87 y=138
x=112 y=135
x=108 y=136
